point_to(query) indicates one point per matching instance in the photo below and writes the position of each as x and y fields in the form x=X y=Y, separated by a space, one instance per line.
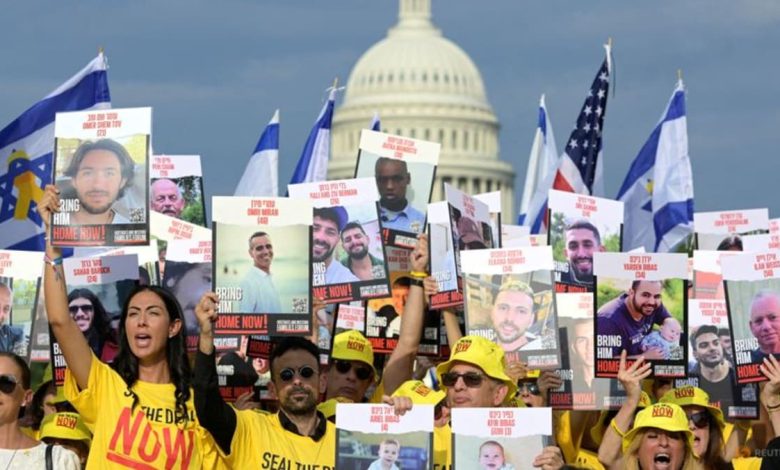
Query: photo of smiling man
x=579 y=227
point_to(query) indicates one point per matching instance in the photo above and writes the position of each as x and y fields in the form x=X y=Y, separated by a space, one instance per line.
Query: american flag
x=578 y=168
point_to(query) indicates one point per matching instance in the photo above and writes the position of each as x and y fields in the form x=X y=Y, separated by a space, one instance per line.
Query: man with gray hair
x=765 y=324
x=11 y=337
x=167 y=198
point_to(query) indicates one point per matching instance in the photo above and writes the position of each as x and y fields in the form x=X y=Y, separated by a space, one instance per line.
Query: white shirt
x=258 y=292
x=35 y=457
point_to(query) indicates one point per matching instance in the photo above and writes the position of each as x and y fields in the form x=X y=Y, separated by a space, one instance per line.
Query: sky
x=214 y=72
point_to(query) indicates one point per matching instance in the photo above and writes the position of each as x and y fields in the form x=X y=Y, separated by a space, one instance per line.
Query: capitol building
x=425 y=87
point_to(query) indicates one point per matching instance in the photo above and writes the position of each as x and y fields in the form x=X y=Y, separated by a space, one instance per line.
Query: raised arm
x=401 y=362
x=452 y=325
x=610 y=450
x=213 y=413
x=72 y=342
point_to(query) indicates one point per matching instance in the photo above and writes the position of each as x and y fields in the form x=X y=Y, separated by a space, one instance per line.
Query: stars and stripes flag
x=261 y=176
x=578 y=171
x=26 y=148
x=658 y=189
x=313 y=164
x=542 y=166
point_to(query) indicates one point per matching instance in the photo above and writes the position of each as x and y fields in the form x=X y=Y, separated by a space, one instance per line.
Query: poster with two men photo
x=641 y=307
x=347 y=249
x=261 y=266
x=403 y=171
x=101 y=168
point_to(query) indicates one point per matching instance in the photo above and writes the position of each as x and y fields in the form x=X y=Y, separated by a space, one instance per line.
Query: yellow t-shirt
x=144 y=437
x=746 y=463
x=260 y=441
x=442 y=447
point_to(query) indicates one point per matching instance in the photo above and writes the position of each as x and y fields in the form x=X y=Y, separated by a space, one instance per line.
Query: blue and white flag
x=658 y=190
x=542 y=165
x=27 y=145
x=376 y=125
x=313 y=164
x=261 y=176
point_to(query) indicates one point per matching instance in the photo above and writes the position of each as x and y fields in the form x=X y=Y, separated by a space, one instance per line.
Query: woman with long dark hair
x=88 y=312
x=140 y=408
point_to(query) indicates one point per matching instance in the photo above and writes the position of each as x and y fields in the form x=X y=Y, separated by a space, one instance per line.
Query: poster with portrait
x=722 y=230
x=581 y=389
x=508 y=296
x=97 y=291
x=484 y=438
x=403 y=171
x=347 y=248
x=176 y=188
x=40 y=346
x=580 y=226
x=101 y=168
x=373 y=436
x=261 y=266
x=147 y=259
x=384 y=316
x=442 y=256
x=20 y=287
x=711 y=365
x=752 y=283
x=641 y=306
x=188 y=275
x=470 y=225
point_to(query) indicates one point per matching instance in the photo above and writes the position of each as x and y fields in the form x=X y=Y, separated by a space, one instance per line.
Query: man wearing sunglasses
x=392 y=178
x=11 y=337
x=297 y=436
x=351 y=371
x=475 y=377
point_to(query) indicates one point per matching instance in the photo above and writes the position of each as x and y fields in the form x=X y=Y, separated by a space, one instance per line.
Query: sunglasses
x=8 y=384
x=305 y=372
x=74 y=309
x=700 y=419
x=531 y=387
x=471 y=379
x=362 y=373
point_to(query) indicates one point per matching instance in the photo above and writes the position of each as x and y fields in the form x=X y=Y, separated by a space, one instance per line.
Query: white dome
x=424 y=86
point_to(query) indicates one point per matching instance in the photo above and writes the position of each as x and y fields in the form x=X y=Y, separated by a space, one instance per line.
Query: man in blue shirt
x=631 y=317
x=392 y=178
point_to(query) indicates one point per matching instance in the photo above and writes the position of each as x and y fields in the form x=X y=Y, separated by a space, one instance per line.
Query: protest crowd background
x=377 y=313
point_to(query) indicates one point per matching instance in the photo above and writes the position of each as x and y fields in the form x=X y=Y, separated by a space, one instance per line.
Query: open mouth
x=143 y=340
x=662 y=461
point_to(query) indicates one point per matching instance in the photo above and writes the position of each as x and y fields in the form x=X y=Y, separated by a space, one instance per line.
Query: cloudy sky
x=215 y=71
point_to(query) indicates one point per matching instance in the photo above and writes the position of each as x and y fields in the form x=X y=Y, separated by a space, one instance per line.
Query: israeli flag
x=542 y=165
x=27 y=145
x=658 y=190
x=313 y=164
x=376 y=124
x=261 y=176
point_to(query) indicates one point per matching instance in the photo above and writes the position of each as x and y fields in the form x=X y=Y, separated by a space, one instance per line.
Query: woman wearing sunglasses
x=17 y=449
x=144 y=397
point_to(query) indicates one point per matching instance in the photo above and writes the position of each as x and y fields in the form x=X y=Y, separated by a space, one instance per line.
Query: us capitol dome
x=425 y=87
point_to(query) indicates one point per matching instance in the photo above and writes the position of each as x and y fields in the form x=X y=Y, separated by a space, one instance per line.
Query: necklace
x=8 y=465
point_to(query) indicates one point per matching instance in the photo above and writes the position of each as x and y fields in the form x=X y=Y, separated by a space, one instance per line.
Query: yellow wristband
x=418 y=274
x=614 y=426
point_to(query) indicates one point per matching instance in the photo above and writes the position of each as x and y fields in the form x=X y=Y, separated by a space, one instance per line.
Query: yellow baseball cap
x=65 y=425
x=420 y=393
x=665 y=416
x=597 y=431
x=483 y=353
x=328 y=407
x=690 y=395
x=351 y=345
